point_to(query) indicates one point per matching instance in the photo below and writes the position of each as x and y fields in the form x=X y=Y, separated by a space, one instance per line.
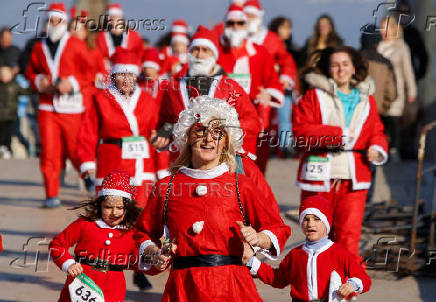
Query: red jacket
x=255 y=60
x=313 y=132
x=106 y=119
x=131 y=40
x=295 y=270
x=71 y=62
x=284 y=60
x=95 y=239
x=176 y=97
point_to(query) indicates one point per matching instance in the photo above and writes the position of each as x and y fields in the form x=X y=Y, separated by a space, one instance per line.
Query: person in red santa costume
x=174 y=56
x=318 y=270
x=103 y=239
x=206 y=77
x=337 y=125
x=116 y=128
x=252 y=66
x=57 y=70
x=116 y=34
x=206 y=209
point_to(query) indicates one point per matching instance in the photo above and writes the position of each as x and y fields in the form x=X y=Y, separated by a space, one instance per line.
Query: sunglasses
x=217 y=133
x=233 y=23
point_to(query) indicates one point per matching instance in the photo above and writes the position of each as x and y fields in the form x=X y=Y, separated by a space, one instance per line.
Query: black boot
x=140 y=280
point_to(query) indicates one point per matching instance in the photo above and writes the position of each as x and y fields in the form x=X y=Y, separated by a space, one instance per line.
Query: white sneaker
x=53 y=202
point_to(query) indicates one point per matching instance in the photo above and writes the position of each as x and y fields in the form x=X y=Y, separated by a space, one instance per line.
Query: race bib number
x=68 y=103
x=84 y=289
x=135 y=147
x=243 y=79
x=317 y=168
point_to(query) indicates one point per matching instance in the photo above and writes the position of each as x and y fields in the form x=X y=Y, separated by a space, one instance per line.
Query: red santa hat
x=318 y=206
x=150 y=59
x=57 y=10
x=125 y=61
x=114 y=9
x=235 y=12
x=83 y=14
x=205 y=37
x=253 y=7
x=179 y=26
x=117 y=183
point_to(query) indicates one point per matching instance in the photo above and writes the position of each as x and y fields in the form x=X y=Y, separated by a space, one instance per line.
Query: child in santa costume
x=103 y=239
x=205 y=208
x=116 y=127
x=337 y=126
x=318 y=270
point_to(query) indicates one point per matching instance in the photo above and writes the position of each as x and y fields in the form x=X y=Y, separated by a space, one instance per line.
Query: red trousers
x=58 y=135
x=347 y=207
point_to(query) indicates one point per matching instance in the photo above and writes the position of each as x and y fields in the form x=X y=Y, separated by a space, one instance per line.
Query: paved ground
x=26 y=229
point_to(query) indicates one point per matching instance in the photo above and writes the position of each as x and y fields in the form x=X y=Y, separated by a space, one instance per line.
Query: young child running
x=318 y=270
x=103 y=239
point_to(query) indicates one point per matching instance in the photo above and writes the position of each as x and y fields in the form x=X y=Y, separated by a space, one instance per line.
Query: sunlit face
x=325 y=27
x=125 y=82
x=151 y=72
x=207 y=143
x=113 y=210
x=117 y=24
x=6 y=39
x=201 y=52
x=78 y=30
x=54 y=21
x=179 y=47
x=313 y=228
x=285 y=30
x=6 y=74
x=341 y=68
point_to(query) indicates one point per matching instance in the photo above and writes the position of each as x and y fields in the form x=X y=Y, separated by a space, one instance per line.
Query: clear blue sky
x=349 y=15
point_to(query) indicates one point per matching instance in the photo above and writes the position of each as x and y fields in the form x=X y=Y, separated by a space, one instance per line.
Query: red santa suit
x=59 y=116
x=343 y=178
x=112 y=119
x=309 y=267
x=257 y=65
x=173 y=63
x=217 y=236
x=130 y=39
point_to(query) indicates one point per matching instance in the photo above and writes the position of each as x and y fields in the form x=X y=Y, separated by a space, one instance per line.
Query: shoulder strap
x=239 y=165
x=167 y=195
x=241 y=208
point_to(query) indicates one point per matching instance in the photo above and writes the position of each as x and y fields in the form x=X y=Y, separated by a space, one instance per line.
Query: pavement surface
x=27 y=274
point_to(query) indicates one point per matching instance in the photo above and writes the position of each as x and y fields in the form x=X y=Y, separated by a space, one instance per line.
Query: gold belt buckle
x=101 y=265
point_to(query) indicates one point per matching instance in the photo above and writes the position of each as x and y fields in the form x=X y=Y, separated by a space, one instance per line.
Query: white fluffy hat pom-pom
x=197 y=227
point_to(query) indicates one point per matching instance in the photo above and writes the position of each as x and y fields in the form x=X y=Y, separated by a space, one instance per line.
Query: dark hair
x=93 y=210
x=333 y=38
x=319 y=63
x=275 y=23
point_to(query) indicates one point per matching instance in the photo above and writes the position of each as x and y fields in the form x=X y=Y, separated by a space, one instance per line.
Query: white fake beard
x=254 y=26
x=200 y=67
x=55 y=33
x=236 y=37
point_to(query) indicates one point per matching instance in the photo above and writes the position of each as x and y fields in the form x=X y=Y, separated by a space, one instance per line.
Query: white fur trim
x=250 y=48
x=57 y=13
x=180 y=38
x=287 y=78
x=179 y=29
x=236 y=15
x=317 y=213
x=125 y=68
x=358 y=282
x=253 y=10
x=67 y=264
x=205 y=174
x=114 y=12
x=114 y=192
x=255 y=265
x=252 y=156
x=110 y=43
x=314 y=188
x=88 y=165
x=382 y=152
x=142 y=247
x=46 y=107
x=103 y=225
x=163 y=173
x=37 y=80
x=53 y=65
x=278 y=95
x=74 y=83
x=275 y=243
x=151 y=64
x=205 y=42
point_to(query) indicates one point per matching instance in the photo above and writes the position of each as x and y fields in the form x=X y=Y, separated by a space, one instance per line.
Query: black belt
x=113 y=141
x=100 y=264
x=205 y=261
